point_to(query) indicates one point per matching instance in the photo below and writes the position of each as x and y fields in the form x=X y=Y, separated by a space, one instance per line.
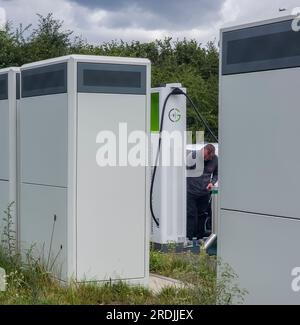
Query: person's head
x=209 y=152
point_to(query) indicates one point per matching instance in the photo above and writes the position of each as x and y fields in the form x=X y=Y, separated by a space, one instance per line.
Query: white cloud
x=230 y=11
x=96 y=24
x=24 y=11
x=245 y=11
x=2 y=17
x=98 y=16
x=92 y=24
x=236 y=12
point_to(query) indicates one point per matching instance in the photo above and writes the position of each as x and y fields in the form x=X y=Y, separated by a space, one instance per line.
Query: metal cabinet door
x=111 y=214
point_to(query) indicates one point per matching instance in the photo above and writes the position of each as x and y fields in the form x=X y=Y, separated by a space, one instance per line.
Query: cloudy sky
x=145 y=20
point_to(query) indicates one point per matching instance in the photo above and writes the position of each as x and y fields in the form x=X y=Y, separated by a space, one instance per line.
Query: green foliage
x=29 y=281
x=8 y=240
x=199 y=275
x=186 y=61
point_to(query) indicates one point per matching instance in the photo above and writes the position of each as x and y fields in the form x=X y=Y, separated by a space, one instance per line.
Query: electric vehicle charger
x=62 y=120
x=178 y=92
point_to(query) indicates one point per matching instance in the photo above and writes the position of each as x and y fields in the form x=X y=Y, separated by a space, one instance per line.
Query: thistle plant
x=9 y=234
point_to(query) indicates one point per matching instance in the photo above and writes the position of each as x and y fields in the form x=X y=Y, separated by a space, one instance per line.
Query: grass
x=199 y=275
x=29 y=283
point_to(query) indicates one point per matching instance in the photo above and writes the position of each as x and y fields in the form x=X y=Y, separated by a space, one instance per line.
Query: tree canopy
x=189 y=62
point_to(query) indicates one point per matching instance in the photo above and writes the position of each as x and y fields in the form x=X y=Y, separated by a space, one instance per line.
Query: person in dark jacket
x=199 y=190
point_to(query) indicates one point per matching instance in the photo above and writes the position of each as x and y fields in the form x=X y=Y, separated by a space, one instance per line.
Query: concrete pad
x=158 y=282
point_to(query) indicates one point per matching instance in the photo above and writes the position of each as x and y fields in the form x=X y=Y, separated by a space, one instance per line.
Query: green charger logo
x=174 y=115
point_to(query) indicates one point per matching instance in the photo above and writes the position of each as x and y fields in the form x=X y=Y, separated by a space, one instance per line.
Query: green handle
x=215 y=191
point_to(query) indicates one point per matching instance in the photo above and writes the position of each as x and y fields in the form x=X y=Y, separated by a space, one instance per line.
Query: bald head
x=209 y=152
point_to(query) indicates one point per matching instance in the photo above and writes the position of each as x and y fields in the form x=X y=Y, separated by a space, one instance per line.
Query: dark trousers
x=197 y=206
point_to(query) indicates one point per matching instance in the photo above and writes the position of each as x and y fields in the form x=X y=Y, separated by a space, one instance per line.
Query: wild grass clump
x=206 y=278
x=29 y=281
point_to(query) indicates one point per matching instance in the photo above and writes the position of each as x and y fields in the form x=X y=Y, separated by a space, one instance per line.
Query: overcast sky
x=145 y=20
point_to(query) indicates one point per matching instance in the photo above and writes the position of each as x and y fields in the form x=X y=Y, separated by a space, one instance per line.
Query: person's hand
x=210 y=186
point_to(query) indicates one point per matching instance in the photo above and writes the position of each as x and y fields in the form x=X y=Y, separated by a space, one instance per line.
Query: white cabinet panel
x=111 y=215
x=39 y=205
x=4 y=140
x=44 y=140
x=263 y=251
x=259 y=159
